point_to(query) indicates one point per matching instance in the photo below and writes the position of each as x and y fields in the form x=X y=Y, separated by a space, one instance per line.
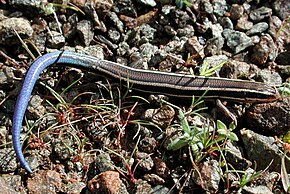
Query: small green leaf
x=233 y=136
x=177 y=143
x=221 y=125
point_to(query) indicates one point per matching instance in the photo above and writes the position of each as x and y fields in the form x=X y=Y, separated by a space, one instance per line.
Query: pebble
x=236 y=11
x=105 y=182
x=209 y=176
x=220 y=7
x=55 y=40
x=237 y=41
x=85 y=32
x=148 y=144
x=45 y=181
x=243 y=24
x=161 y=116
x=7 y=187
x=7 y=34
x=8 y=162
x=154 y=179
x=270 y=118
x=151 y=3
x=269 y=77
x=262 y=51
x=214 y=46
x=255 y=150
x=116 y=21
x=114 y=35
x=226 y=23
x=281 y=8
x=260 y=14
x=6 y=77
x=258 y=28
x=144 y=161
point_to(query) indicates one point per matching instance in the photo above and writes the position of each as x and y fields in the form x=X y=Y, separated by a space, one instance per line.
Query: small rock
x=55 y=40
x=215 y=60
x=274 y=25
x=147 y=50
x=92 y=50
x=260 y=14
x=13 y=183
x=6 y=188
x=45 y=181
x=236 y=11
x=269 y=77
x=103 y=162
x=258 y=28
x=161 y=168
x=209 y=176
x=151 y=3
x=263 y=150
x=75 y=187
x=62 y=147
x=144 y=161
x=142 y=187
x=226 y=23
x=147 y=33
x=105 y=182
x=35 y=108
x=117 y=22
x=161 y=116
x=8 y=162
x=28 y=6
x=154 y=179
x=6 y=77
x=187 y=31
x=20 y=25
x=281 y=8
x=270 y=118
x=114 y=35
x=234 y=156
x=85 y=31
x=107 y=42
x=193 y=46
x=161 y=189
x=214 y=46
x=237 y=41
x=170 y=30
x=122 y=49
x=206 y=6
x=261 y=51
x=257 y=189
x=243 y=24
x=237 y=70
x=3 y=135
x=220 y=7
x=148 y=144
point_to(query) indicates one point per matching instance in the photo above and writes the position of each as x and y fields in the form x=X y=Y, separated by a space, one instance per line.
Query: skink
x=171 y=84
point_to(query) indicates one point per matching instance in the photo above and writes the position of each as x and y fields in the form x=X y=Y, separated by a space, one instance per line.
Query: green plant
x=200 y=138
x=284 y=90
x=247 y=176
x=206 y=71
x=181 y=3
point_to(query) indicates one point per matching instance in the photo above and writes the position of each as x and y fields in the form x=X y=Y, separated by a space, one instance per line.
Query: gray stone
x=20 y=25
x=237 y=41
x=260 y=14
x=85 y=31
x=258 y=28
x=55 y=40
x=263 y=150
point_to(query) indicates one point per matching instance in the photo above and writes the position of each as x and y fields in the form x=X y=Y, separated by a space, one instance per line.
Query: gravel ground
x=99 y=138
